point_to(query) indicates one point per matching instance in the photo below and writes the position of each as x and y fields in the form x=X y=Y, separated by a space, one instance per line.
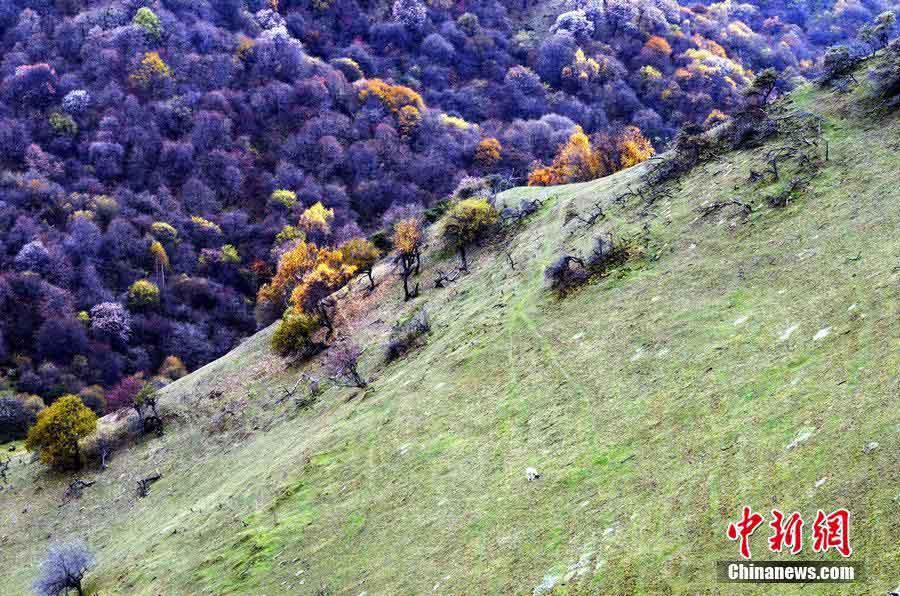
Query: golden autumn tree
x=634 y=147
x=152 y=70
x=57 y=431
x=575 y=162
x=311 y=296
x=465 y=223
x=488 y=153
x=408 y=239
x=160 y=262
x=292 y=267
x=394 y=97
x=316 y=220
x=578 y=160
x=582 y=72
x=362 y=255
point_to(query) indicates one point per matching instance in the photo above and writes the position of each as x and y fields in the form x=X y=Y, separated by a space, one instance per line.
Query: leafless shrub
x=64 y=569
x=405 y=336
x=342 y=364
x=565 y=273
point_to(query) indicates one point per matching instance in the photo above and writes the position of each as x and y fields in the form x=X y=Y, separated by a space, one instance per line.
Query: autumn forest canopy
x=175 y=174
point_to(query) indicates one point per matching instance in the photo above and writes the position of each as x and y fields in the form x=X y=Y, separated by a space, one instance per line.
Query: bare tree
x=342 y=363
x=105 y=445
x=76 y=488
x=64 y=569
x=144 y=484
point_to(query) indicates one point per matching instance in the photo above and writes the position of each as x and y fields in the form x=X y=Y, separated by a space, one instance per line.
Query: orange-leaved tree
x=311 y=295
x=293 y=266
x=575 y=162
x=578 y=160
x=488 y=153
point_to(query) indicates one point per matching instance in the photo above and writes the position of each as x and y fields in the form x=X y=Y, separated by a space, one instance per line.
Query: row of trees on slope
x=153 y=152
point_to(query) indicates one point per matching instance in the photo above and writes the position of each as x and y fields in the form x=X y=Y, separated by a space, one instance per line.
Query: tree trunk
x=326 y=320
x=357 y=380
x=406 y=295
x=462 y=257
x=371 y=280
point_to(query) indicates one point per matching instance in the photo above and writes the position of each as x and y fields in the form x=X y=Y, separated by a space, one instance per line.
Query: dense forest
x=158 y=158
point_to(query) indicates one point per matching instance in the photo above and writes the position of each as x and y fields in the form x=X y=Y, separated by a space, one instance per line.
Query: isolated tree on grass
x=58 y=430
x=64 y=569
x=466 y=222
x=342 y=363
x=408 y=239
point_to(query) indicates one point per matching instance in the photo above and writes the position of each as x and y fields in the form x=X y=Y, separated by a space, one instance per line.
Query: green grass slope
x=737 y=363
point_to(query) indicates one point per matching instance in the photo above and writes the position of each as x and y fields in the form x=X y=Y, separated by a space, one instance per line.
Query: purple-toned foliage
x=242 y=99
x=61 y=339
x=121 y=397
x=111 y=321
x=64 y=568
x=77 y=102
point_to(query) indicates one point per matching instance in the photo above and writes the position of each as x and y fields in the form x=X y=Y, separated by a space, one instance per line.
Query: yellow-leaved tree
x=292 y=267
x=634 y=147
x=408 y=238
x=58 y=429
x=316 y=221
x=310 y=296
x=465 y=223
x=362 y=255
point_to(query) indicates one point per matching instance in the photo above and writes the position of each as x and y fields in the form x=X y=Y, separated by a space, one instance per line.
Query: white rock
x=532 y=474
x=788 y=332
x=801 y=437
x=822 y=334
x=546 y=586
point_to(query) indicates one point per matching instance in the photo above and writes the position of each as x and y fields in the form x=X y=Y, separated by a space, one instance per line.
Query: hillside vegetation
x=734 y=359
x=158 y=157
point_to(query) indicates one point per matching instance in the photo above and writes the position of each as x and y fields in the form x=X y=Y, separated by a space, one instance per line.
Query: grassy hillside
x=739 y=362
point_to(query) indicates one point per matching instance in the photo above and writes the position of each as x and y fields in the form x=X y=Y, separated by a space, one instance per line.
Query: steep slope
x=741 y=362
